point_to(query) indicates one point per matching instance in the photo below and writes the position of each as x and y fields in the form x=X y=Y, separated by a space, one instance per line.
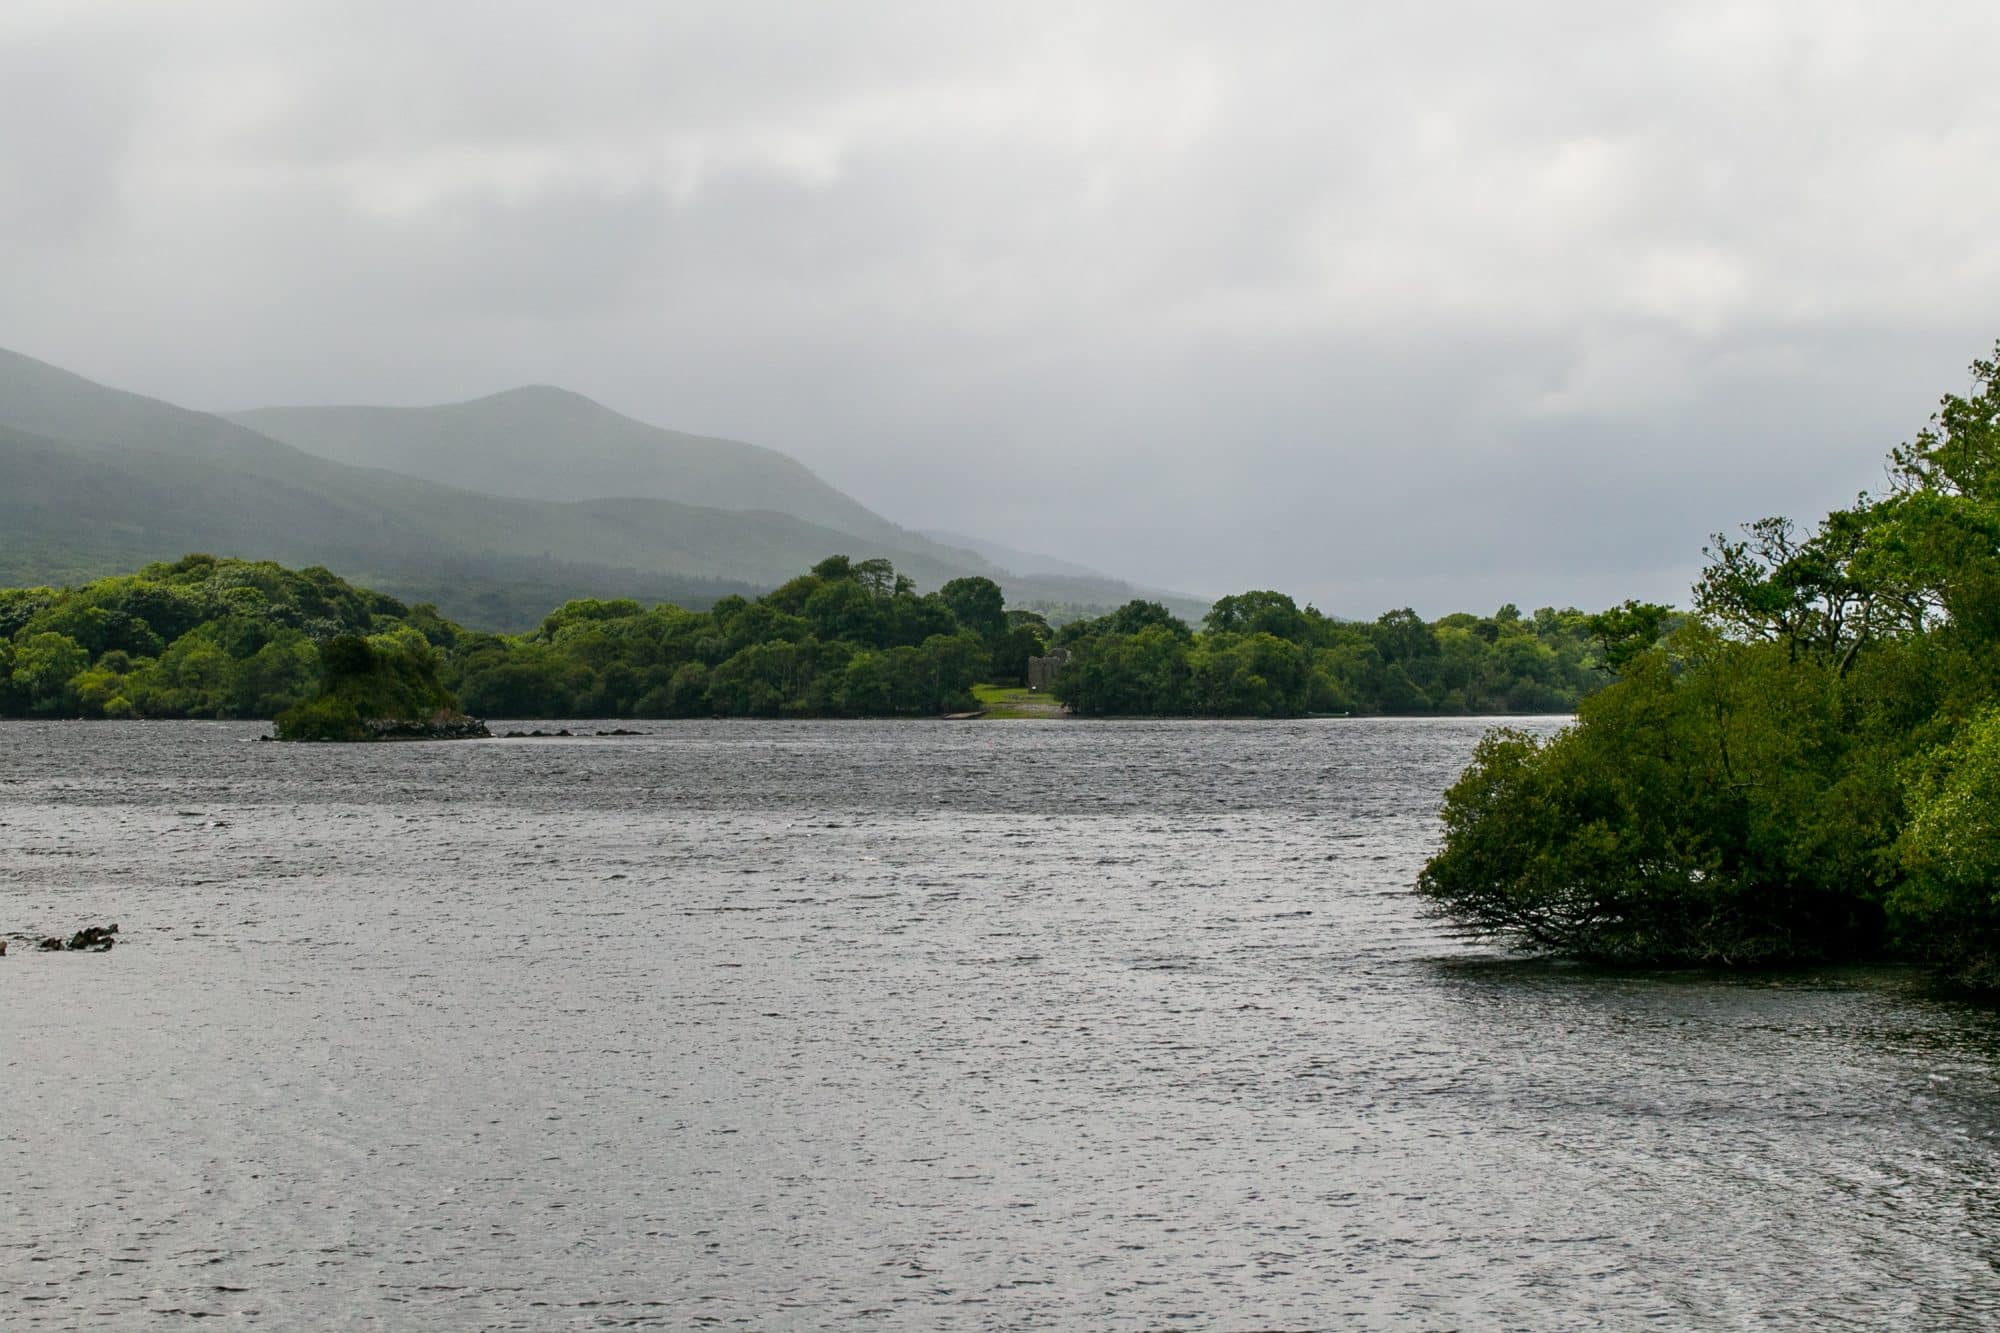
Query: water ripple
x=956 y=1026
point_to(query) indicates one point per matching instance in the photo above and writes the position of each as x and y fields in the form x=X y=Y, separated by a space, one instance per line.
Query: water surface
x=994 y=1025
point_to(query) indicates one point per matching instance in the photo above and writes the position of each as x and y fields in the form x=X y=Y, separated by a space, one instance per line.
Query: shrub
x=326 y=718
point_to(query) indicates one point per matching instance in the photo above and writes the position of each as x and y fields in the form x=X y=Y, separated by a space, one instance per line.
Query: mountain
x=98 y=479
x=94 y=480
x=71 y=511
x=541 y=443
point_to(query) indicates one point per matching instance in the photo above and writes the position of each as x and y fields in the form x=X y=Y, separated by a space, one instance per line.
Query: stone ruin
x=1042 y=671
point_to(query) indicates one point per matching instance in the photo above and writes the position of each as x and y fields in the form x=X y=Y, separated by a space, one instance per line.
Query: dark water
x=1001 y=1025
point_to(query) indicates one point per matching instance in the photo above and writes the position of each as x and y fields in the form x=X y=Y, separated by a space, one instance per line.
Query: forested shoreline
x=1807 y=769
x=1258 y=654
x=207 y=637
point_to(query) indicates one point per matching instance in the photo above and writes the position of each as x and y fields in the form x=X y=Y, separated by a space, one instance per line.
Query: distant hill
x=541 y=443
x=71 y=512
x=94 y=480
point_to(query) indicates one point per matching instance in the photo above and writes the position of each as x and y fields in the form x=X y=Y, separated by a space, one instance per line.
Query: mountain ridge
x=541 y=441
x=102 y=480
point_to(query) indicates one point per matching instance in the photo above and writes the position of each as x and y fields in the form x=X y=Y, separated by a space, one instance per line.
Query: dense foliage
x=849 y=638
x=1809 y=769
x=1259 y=655
x=228 y=638
x=207 y=637
x=382 y=678
x=198 y=638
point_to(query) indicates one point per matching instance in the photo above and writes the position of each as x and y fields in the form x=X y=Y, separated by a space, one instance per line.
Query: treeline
x=1808 y=769
x=219 y=638
x=208 y=637
x=850 y=638
x=1260 y=655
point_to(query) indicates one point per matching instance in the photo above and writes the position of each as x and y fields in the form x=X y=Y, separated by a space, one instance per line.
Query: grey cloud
x=1445 y=306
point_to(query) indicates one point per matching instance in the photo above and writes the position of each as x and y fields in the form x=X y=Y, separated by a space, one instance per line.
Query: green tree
x=1807 y=769
x=1113 y=673
x=1948 y=909
x=978 y=605
x=44 y=666
x=1027 y=636
x=1249 y=675
x=1628 y=629
x=1258 y=613
x=1403 y=636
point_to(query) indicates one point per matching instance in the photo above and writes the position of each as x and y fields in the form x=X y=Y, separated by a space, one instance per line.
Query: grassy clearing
x=1005 y=701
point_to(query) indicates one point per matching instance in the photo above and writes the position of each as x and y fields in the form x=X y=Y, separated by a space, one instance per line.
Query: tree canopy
x=1808 y=768
x=206 y=637
x=1259 y=654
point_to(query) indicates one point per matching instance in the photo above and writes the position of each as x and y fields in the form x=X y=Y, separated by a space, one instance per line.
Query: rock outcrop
x=441 y=728
x=91 y=939
x=326 y=725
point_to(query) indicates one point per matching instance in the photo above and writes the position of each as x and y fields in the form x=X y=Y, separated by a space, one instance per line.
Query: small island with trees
x=370 y=693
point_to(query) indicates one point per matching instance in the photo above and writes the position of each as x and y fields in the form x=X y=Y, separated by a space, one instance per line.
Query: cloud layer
x=1447 y=307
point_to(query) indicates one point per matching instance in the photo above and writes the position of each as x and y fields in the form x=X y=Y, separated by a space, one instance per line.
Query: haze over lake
x=912 y=1025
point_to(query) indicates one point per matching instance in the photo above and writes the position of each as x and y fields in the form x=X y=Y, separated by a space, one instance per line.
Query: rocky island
x=380 y=688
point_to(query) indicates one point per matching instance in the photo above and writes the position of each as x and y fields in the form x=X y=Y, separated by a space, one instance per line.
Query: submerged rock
x=437 y=727
x=91 y=939
x=456 y=727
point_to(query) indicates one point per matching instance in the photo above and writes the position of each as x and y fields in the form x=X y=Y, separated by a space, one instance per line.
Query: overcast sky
x=1441 y=304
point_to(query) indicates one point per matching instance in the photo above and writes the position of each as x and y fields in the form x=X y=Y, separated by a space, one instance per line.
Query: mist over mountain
x=545 y=443
x=1013 y=558
x=102 y=480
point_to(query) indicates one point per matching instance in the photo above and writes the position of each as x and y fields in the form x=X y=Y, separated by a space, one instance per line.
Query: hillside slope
x=544 y=443
x=71 y=512
x=97 y=479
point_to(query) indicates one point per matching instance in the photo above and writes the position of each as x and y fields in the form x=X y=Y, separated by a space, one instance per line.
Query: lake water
x=991 y=1025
